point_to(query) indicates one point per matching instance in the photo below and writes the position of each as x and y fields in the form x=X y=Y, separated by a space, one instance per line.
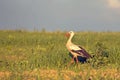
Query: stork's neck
x=70 y=38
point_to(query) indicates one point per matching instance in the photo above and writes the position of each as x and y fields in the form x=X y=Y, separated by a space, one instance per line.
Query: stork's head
x=70 y=33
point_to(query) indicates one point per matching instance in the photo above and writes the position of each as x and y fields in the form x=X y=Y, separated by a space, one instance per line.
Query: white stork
x=75 y=50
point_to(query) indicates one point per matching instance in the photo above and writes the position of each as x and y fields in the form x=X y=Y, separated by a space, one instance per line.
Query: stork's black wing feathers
x=82 y=51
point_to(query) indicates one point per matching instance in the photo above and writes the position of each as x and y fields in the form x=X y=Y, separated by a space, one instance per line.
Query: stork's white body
x=70 y=46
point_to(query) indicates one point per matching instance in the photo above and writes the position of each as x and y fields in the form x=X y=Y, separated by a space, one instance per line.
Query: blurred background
x=63 y=15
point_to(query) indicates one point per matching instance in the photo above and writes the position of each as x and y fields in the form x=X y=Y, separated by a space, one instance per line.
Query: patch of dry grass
x=93 y=74
x=51 y=74
x=4 y=74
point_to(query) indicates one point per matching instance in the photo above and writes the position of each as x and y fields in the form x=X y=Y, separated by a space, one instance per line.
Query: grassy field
x=43 y=56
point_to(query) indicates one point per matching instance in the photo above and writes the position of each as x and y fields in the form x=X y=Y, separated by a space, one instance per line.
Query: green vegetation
x=43 y=55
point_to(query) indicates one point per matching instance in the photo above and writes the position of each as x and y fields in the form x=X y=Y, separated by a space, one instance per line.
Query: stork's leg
x=76 y=60
x=72 y=61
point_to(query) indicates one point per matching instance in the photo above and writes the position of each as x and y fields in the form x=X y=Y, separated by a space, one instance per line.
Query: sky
x=64 y=15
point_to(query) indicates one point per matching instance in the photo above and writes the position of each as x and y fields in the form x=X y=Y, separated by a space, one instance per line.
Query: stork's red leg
x=72 y=61
x=76 y=60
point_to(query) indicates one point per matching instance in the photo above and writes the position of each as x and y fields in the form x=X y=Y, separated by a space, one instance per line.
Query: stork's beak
x=67 y=34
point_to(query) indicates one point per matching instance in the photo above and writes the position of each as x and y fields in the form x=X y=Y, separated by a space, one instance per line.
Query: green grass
x=25 y=55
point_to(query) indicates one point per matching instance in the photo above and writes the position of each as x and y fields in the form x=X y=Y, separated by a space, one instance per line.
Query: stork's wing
x=82 y=51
